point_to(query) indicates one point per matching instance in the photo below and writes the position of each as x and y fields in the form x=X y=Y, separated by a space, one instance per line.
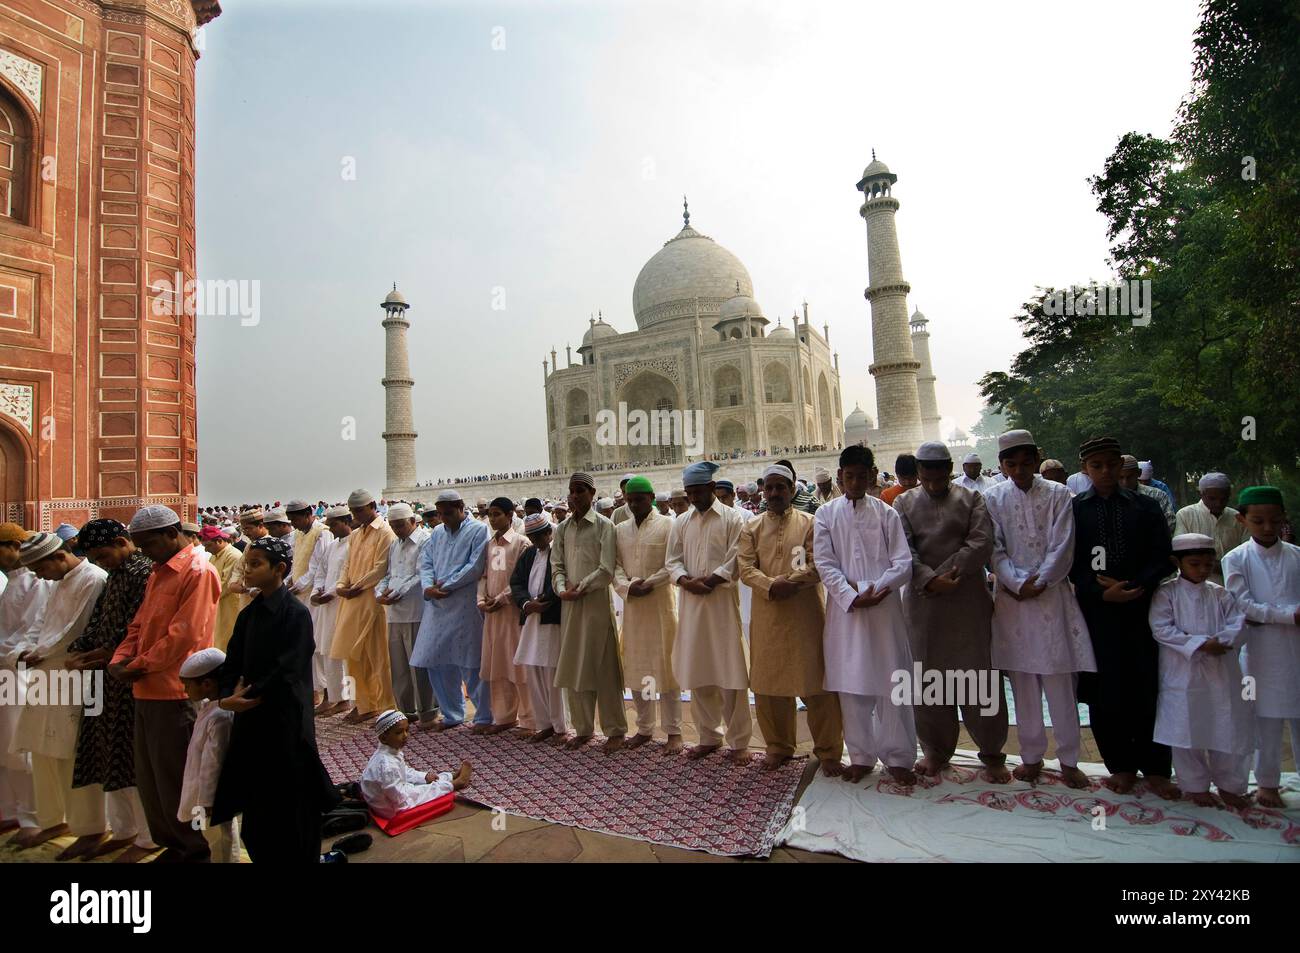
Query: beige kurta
x=229 y=564
x=361 y=621
x=1224 y=529
x=709 y=650
x=583 y=555
x=649 y=621
x=501 y=628
x=785 y=637
x=303 y=546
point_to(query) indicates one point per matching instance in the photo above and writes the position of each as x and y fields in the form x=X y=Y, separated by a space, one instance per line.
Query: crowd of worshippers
x=1183 y=644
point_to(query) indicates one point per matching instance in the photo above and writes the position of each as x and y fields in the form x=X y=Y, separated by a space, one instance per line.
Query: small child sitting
x=1200 y=712
x=390 y=785
x=209 y=740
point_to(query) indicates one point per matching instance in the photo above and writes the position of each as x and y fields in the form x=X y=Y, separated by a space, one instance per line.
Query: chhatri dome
x=689 y=266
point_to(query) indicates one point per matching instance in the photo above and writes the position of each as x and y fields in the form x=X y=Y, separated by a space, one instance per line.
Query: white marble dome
x=859 y=419
x=597 y=331
x=739 y=306
x=689 y=266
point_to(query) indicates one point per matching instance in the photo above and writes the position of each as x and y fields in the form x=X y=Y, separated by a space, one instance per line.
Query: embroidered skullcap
x=337 y=512
x=359 y=498
x=277 y=550
x=37 y=546
x=536 y=523
x=1192 y=543
x=203 y=662
x=449 y=496
x=253 y=515
x=387 y=720
x=1214 y=481
x=821 y=475
x=503 y=503
x=297 y=506
x=400 y=511
x=584 y=478
x=1258 y=495
x=98 y=533
x=639 y=484
x=153 y=516
x=1096 y=445
x=699 y=473
x=725 y=485
x=1127 y=462
x=776 y=469
x=934 y=452
x=1015 y=440
x=12 y=533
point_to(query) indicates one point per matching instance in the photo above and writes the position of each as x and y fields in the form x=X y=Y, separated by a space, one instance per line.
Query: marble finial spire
x=686 y=214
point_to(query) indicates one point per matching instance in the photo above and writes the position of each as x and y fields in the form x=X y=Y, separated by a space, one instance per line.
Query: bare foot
x=637 y=740
x=1121 y=782
x=31 y=837
x=856 y=772
x=612 y=744
x=832 y=767
x=461 y=779
x=902 y=776
x=772 y=761
x=577 y=742
x=1269 y=797
x=323 y=708
x=82 y=846
x=1163 y=787
x=701 y=751
x=739 y=756
x=930 y=767
x=1203 y=799
x=1073 y=777
x=1238 y=802
x=674 y=744
x=542 y=735
x=134 y=854
x=996 y=774
x=1029 y=772
x=353 y=717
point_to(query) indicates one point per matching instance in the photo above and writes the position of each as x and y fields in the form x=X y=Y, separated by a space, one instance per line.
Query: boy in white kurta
x=862 y=555
x=1040 y=638
x=389 y=785
x=1263 y=574
x=1200 y=712
x=331 y=672
x=209 y=740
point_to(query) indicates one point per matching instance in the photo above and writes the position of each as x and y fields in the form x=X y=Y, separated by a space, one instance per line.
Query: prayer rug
x=711 y=805
x=962 y=818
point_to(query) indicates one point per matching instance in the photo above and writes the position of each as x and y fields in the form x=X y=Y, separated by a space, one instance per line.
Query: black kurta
x=1121 y=695
x=273 y=775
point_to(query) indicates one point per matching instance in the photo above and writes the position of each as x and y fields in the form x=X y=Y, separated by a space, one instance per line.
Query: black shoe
x=353 y=843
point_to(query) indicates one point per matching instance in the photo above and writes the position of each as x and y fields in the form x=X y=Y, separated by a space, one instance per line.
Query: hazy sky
x=554 y=168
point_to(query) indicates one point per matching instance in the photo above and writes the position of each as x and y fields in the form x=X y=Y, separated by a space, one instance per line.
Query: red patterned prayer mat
x=711 y=805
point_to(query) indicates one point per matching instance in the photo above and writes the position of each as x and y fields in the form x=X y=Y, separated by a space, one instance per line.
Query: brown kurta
x=785 y=637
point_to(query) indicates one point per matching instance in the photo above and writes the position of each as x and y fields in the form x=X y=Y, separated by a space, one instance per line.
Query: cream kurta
x=301 y=581
x=785 y=637
x=583 y=555
x=327 y=613
x=229 y=564
x=361 y=620
x=709 y=649
x=22 y=607
x=1200 y=703
x=1266 y=583
x=857 y=543
x=649 y=621
x=1226 y=532
x=501 y=628
x=1033 y=534
x=47 y=728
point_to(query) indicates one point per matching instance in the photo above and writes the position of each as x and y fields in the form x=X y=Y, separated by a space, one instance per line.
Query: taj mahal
x=704 y=352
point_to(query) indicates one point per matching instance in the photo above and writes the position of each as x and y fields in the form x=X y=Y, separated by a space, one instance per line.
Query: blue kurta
x=451 y=629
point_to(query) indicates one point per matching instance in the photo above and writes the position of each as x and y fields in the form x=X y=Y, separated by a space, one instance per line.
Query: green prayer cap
x=638 y=484
x=1260 y=494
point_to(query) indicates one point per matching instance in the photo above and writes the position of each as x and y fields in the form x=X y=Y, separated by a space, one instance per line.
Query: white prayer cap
x=1214 y=481
x=1052 y=464
x=605 y=503
x=294 y=506
x=777 y=469
x=37 y=546
x=1147 y=468
x=482 y=501
x=932 y=451
x=969 y=458
x=822 y=475
x=751 y=486
x=1011 y=440
x=448 y=496
x=662 y=497
x=400 y=511
x=626 y=477
x=275 y=514
x=548 y=506
x=387 y=720
x=337 y=512
x=1192 y=543
x=153 y=516
x=203 y=662
x=360 y=498
x=194 y=528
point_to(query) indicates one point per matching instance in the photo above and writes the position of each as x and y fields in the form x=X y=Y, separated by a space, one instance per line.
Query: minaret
x=894 y=366
x=399 y=427
x=925 y=377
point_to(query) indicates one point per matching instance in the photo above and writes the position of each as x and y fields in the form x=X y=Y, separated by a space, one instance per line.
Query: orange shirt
x=174 y=621
x=890 y=493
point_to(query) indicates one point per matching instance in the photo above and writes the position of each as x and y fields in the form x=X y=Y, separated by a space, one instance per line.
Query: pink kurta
x=501 y=628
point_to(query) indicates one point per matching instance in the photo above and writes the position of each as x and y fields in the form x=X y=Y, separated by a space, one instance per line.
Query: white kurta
x=1200 y=703
x=209 y=740
x=856 y=544
x=1033 y=533
x=981 y=484
x=336 y=561
x=22 y=608
x=538 y=644
x=390 y=785
x=315 y=575
x=746 y=594
x=51 y=729
x=709 y=650
x=1265 y=580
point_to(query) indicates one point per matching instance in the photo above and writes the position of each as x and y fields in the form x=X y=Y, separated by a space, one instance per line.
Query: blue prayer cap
x=66 y=531
x=698 y=473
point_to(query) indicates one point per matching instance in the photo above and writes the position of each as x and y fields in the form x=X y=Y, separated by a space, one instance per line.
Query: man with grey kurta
x=950 y=614
x=589 y=671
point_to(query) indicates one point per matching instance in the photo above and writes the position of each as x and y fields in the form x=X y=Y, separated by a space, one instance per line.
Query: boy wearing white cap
x=1200 y=713
x=390 y=785
x=1212 y=516
x=205 y=755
